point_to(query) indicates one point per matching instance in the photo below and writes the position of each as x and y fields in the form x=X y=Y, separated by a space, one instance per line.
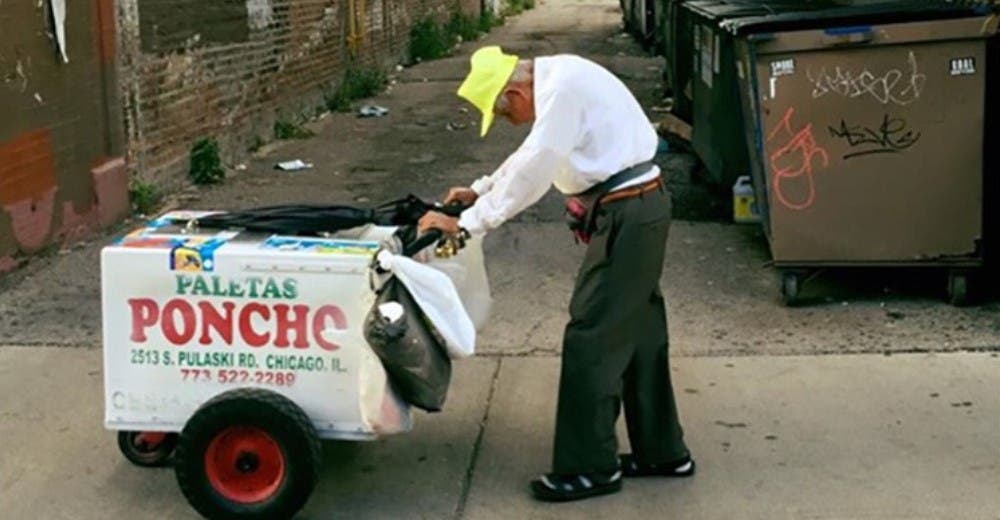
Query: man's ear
x=518 y=90
x=517 y=96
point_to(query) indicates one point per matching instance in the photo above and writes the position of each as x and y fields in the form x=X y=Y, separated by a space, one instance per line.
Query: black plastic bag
x=412 y=354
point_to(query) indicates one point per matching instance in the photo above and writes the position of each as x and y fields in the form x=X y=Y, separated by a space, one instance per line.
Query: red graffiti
x=794 y=162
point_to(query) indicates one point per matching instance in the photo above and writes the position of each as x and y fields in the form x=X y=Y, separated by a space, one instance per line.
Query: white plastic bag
x=467 y=271
x=382 y=411
x=435 y=293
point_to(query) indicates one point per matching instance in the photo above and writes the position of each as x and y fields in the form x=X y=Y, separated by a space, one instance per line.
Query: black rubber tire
x=153 y=458
x=281 y=419
x=958 y=288
x=791 y=284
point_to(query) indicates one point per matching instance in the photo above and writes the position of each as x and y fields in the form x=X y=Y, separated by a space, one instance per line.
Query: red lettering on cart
x=145 y=313
x=246 y=328
x=170 y=324
x=794 y=160
x=319 y=324
x=213 y=319
x=257 y=324
x=285 y=325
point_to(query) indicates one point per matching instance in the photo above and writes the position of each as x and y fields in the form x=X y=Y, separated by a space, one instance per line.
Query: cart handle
x=422 y=241
x=454 y=209
x=431 y=236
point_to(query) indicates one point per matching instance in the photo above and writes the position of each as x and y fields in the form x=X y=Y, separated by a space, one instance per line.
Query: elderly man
x=592 y=141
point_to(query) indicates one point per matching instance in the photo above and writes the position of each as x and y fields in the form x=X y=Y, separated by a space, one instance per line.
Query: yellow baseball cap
x=488 y=76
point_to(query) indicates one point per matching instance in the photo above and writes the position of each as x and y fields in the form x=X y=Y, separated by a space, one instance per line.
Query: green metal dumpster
x=866 y=136
x=661 y=10
x=639 y=19
x=682 y=48
x=717 y=118
x=679 y=55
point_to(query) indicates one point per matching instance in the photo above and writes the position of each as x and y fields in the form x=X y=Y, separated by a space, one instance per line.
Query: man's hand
x=464 y=196
x=434 y=220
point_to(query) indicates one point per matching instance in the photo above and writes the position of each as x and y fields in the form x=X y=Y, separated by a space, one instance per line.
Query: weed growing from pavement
x=144 y=196
x=289 y=130
x=256 y=143
x=488 y=20
x=518 y=6
x=358 y=83
x=461 y=26
x=430 y=39
x=206 y=165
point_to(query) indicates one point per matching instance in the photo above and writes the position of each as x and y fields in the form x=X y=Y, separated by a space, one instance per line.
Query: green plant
x=206 y=165
x=337 y=100
x=289 y=130
x=461 y=25
x=429 y=40
x=362 y=83
x=144 y=196
x=488 y=20
x=519 y=6
x=358 y=83
x=256 y=143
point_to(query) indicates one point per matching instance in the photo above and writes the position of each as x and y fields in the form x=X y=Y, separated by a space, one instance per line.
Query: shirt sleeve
x=528 y=173
x=484 y=184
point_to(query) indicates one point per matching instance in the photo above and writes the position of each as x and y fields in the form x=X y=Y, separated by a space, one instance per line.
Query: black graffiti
x=892 y=136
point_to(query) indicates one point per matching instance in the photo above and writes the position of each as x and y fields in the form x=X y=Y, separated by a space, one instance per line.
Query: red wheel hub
x=244 y=464
x=149 y=441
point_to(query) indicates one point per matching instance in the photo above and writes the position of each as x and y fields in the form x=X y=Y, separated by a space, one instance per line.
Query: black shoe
x=633 y=468
x=563 y=488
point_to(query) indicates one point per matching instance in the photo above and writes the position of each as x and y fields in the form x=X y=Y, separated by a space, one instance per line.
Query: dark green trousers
x=615 y=345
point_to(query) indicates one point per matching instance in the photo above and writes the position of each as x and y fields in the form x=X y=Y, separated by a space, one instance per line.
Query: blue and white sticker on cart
x=320 y=246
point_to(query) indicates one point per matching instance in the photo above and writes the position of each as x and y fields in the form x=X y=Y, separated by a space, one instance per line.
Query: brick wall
x=228 y=68
x=61 y=174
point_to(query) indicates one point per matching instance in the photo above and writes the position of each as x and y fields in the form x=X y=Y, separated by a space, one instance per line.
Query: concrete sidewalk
x=837 y=437
x=724 y=299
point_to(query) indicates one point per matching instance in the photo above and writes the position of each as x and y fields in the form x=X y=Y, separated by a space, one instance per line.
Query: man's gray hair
x=522 y=74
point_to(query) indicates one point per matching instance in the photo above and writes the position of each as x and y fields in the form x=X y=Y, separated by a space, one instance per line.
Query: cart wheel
x=147 y=449
x=790 y=285
x=248 y=454
x=958 y=288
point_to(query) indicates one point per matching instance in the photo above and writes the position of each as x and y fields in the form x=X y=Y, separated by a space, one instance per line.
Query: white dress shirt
x=587 y=127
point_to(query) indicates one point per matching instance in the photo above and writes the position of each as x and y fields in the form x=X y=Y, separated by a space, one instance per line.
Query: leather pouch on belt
x=580 y=216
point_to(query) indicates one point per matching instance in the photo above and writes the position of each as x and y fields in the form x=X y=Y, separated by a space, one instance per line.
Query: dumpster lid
x=720 y=10
x=897 y=11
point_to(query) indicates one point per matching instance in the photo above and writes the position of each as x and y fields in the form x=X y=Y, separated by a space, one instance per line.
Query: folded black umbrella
x=316 y=219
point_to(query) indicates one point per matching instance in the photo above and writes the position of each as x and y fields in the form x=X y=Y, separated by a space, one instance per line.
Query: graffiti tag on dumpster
x=793 y=162
x=891 y=136
x=896 y=86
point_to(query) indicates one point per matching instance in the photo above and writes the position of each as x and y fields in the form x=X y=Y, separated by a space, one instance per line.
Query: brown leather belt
x=632 y=191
